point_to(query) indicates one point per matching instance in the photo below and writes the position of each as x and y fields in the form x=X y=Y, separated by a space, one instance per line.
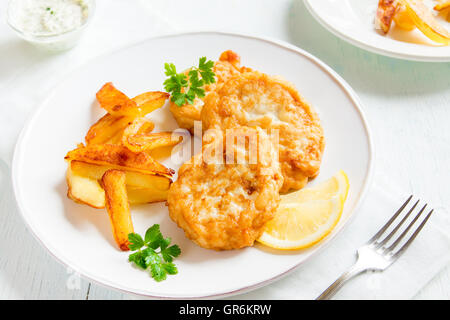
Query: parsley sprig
x=148 y=256
x=185 y=88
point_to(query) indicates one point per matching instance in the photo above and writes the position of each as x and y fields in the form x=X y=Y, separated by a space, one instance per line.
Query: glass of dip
x=54 y=25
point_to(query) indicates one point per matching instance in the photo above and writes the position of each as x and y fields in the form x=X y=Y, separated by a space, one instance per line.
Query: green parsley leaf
x=158 y=272
x=170 y=268
x=171 y=70
x=151 y=257
x=136 y=241
x=206 y=70
x=184 y=89
x=170 y=253
x=165 y=243
x=178 y=98
x=153 y=234
x=147 y=256
x=139 y=259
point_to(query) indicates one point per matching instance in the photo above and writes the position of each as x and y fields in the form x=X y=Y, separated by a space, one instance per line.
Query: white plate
x=352 y=21
x=80 y=237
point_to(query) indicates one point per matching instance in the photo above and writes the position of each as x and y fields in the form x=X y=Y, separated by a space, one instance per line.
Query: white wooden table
x=407 y=105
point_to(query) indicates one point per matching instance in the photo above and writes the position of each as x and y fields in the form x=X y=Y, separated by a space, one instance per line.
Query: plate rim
x=348 y=90
x=370 y=48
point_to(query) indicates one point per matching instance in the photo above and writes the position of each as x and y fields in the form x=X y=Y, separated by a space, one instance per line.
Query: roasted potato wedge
x=426 y=22
x=116 y=102
x=146 y=142
x=150 y=101
x=138 y=195
x=119 y=104
x=116 y=139
x=133 y=178
x=385 y=13
x=84 y=190
x=87 y=190
x=442 y=5
x=104 y=130
x=120 y=157
x=118 y=207
x=138 y=126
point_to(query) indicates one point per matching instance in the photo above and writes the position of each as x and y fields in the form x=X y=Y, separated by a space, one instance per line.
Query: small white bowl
x=50 y=41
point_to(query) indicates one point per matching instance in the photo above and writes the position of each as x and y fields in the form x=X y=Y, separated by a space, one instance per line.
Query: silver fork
x=375 y=255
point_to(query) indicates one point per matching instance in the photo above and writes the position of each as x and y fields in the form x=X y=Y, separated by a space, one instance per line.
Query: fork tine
x=396 y=242
x=387 y=225
x=389 y=236
x=413 y=236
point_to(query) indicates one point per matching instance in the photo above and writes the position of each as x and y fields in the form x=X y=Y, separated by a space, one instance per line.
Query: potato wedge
x=138 y=195
x=385 y=13
x=144 y=126
x=426 y=22
x=133 y=178
x=104 y=130
x=444 y=4
x=119 y=104
x=84 y=190
x=118 y=207
x=120 y=157
x=138 y=126
x=146 y=142
x=116 y=139
x=150 y=101
x=116 y=102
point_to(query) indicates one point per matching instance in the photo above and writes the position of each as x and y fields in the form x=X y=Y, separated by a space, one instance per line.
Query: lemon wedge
x=403 y=20
x=426 y=22
x=307 y=216
x=336 y=185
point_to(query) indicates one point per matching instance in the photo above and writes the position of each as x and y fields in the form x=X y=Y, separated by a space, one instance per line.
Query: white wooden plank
x=98 y=292
x=27 y=271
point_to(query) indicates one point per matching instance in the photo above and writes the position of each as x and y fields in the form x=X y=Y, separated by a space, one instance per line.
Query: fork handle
x=331 y=290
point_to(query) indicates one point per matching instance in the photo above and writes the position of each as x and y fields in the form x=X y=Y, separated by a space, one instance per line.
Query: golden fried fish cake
x=256 y=99
x=222 y=205
x=227 y=66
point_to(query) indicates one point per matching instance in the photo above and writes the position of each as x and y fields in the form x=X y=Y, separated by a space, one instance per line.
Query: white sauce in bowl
x=47 y=17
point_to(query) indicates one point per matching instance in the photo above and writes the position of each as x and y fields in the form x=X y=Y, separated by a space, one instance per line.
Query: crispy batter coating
x=256 y=99
x=222 y=205
x=227 y=66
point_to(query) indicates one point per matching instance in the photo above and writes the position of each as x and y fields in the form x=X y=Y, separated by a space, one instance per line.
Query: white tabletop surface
x=407 y=105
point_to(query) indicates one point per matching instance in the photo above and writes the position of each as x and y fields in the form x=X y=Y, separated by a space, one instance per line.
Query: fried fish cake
x=222 y=199
x=256 y=99
x=227 y=66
